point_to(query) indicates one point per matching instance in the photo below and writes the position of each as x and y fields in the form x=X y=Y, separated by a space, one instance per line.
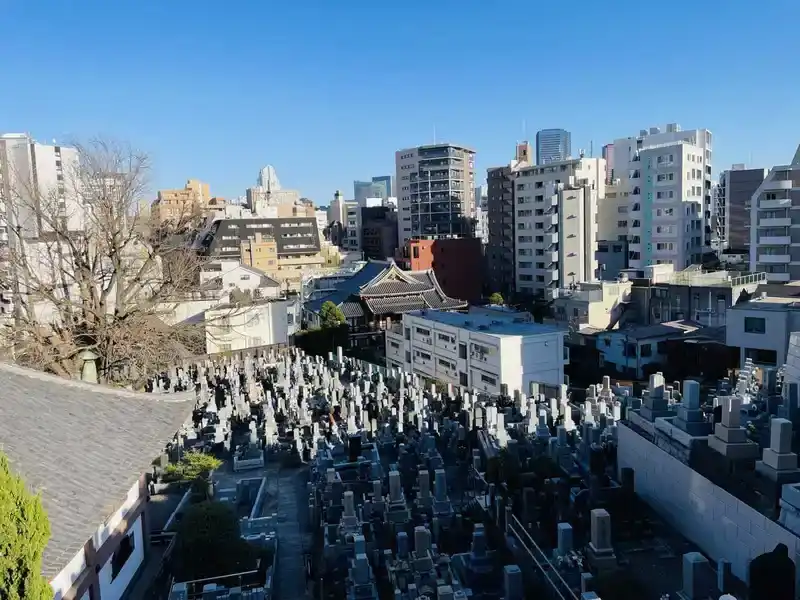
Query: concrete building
x=500 y=221
x=268 y=199
x=435 y=195
x=774 y=235
x=378 y=232
x=553 y=145
x=381 y=186
x=231 y=274
x=596 y=305
x=478 y=351
x=556 y=223
x=458 y=264
x=608 y=155
x=761 y=329
x=37 y=180
x=732 y=207
x=480 y=213
x=264 y=323
x=187 y=204
x=667 y=176
x=612 y=232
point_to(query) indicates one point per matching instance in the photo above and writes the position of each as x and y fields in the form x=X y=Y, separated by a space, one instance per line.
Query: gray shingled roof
x=82 y=447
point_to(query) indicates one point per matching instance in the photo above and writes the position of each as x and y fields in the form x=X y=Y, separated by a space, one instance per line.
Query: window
x=122 y=554
x=462 y=351
x=489 y=380
x=290 y=319
x=224 y=347
x=422 y=331
x=462 y=379
x=244 y=277
x=755 y=325
x=646 y=350
x=415 y=251
x=256 y=341
x=443 y=337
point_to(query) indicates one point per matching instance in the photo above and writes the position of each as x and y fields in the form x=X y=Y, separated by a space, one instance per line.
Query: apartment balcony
x=550 y=238
x=771 y=204
x=551 y=277
x=775 y=240
x=551 y=219
x=553 y=201
x=771 y=259
x=778 y=184
x=551 y=256
x=775 y=222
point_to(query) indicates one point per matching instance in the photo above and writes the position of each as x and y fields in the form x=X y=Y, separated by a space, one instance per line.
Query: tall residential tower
x=436 y=186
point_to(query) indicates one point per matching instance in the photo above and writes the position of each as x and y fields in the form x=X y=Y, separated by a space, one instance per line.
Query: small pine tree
x=496 y=298
x=331 y=315
x=24 y=531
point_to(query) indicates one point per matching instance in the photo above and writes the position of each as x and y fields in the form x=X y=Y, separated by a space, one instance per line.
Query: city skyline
x=235 y=126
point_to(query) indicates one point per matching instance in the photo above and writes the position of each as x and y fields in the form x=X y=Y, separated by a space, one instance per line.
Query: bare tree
x=91 y=271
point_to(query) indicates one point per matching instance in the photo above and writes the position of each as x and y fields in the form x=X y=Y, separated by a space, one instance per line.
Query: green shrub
x=191 y=466
x=24 y=531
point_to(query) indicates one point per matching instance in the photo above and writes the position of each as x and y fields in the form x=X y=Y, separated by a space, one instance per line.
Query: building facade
x=553 y=145
x=37 y=180
x=732 y=206
x=180 y=205
x=774 y=235
x=436 y=186
x=500 y=224
x=612 y=232
x=478 y=351
x=263 y=323
x=378 y=232
x=761 y=329
x=381 y=186
x=556 y=224
x=667 y=176
x=458 y=264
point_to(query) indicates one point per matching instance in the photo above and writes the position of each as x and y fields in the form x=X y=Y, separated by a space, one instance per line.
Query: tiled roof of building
x=82 y=447
x=386 y=289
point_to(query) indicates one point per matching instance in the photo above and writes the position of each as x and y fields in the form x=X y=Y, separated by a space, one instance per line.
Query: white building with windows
x=774 y=236
x=478 y=350
x=761 y=328
x=231 y=328
x=667 y=177
x=556 y=223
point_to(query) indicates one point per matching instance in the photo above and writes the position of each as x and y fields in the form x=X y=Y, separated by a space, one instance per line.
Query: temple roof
x=384 y=288
x=82 y=447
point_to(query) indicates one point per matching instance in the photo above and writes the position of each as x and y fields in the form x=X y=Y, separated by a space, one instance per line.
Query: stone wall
x=720 y=524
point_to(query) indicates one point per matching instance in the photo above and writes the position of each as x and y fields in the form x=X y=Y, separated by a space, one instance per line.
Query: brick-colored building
x=457 y=263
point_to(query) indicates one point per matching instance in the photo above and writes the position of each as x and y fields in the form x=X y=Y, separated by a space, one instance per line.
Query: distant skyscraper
x=552 y=145
x=379 y=187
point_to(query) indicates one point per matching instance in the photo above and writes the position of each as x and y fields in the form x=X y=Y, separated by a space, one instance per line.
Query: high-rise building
x=480 y=214
x=612 y=232
x=436 y=191
x=773 y=248
x=500 y=217
x=731 y=214
x=553 y=145
x=608 y=156
x=268 y=199
x=379 y=187
x=556 y=224
x=37 y=182
x=667 y=177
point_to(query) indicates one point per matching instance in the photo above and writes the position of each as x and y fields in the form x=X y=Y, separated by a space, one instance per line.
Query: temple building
x=380 y=291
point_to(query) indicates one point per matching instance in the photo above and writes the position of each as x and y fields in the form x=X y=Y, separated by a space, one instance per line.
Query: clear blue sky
x=327 y=90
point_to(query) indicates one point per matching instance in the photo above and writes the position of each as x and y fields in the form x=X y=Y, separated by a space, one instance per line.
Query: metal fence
x=486 y=498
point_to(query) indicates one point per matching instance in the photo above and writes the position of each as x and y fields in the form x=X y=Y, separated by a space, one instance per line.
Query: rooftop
x=660 y=330
x=83 y=447
x=776 y=303
x=500 y=325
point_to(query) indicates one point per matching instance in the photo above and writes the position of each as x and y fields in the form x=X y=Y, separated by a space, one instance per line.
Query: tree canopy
x=496 y=298
x=207 y=544
x=92 y=269
x=24 y=531
x=331 y=315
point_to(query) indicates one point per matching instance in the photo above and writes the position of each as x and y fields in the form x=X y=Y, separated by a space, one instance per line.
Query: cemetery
x=368 y=482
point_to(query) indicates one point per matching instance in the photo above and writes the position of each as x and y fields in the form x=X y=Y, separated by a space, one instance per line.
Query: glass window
x=755 y=325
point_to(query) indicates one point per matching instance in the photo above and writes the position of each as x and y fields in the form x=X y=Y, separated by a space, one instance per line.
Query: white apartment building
x=232 y=328
x=761 y=329
x=775 y=223
x=667 y=176
x=477 y=350
x=556 y=223
x=37 y=179
x=435 y=191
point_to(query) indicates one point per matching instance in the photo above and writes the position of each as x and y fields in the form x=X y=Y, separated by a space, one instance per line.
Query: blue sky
x=326 y=91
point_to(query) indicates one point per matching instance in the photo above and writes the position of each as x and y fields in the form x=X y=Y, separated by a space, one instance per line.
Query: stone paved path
x=292 y=501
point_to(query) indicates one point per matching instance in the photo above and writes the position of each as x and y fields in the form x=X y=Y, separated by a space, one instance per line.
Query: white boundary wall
x=720 y=524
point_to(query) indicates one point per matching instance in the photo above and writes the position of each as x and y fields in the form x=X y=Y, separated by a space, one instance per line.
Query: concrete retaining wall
x=720 y=524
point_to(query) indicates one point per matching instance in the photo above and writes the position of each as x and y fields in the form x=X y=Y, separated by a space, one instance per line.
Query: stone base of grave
x=746 y=450
x=780 y=477
x=602 y=561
